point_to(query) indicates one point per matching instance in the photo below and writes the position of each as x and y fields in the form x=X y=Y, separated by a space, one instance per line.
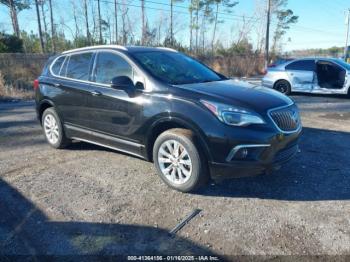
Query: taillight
x=36 y=84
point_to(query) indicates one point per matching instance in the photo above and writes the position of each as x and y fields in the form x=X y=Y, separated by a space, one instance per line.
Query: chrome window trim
x=64 y=61
x=54 y=62
x=234 y=150
x=279 y=129
x=68 y=57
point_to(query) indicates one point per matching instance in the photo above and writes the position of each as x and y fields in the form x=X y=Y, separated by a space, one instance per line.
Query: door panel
x=73 y=88
x=114 y=112
x=301 y=80
x=72 y=101
x=302 y=74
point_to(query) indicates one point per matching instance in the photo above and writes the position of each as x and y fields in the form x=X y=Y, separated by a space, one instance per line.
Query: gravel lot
x=91 y=200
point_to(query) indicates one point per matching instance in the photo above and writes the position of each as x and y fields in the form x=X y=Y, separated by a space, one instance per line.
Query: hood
x=241 y=94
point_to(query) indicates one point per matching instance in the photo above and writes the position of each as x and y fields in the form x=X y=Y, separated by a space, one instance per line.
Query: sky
x=321 y=22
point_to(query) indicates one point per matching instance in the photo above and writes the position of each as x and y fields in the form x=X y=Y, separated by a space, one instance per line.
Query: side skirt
x=107 y=146
x=104 y=140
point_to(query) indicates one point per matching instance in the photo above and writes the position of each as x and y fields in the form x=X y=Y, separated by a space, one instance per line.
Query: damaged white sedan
x=310 y=75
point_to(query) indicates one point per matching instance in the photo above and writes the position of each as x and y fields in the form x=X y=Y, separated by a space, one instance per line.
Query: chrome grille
x=287 y=119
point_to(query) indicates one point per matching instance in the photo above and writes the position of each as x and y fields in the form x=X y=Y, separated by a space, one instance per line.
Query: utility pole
x=347 y=35
x=99 y=20
x=267 y=38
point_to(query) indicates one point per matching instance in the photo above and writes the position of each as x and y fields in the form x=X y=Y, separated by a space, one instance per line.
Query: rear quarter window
x=57 y=65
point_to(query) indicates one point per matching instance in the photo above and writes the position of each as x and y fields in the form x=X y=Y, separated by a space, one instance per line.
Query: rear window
x=56 y=67
x=303 y=65
x=79 y=66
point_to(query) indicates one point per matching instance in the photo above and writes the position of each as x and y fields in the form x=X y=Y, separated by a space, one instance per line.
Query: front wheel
x=178 y=161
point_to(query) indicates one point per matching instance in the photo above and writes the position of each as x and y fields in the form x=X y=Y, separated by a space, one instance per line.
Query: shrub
x=11 y=92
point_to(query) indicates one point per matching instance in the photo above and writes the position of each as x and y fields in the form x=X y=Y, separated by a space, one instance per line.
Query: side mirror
x=122 y=82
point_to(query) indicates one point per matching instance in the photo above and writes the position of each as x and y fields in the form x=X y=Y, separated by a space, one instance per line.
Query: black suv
x=166 y=107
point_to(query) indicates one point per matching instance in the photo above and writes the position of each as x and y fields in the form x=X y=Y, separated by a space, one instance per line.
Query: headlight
x=232 y=115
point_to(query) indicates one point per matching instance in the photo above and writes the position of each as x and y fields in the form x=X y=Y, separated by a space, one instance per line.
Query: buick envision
x=166 y=107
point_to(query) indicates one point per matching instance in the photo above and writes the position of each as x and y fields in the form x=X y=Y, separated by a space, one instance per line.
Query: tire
x=52 y=128
x=283 y=86
x=186 y=173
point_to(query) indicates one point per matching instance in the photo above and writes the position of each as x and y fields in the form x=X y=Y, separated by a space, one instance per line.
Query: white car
x=310 y=75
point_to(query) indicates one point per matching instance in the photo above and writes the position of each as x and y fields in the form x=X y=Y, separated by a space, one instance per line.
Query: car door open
x=330 y=75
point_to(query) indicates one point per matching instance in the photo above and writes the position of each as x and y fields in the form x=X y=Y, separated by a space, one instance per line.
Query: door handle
x=96 y=93
x=57 y=85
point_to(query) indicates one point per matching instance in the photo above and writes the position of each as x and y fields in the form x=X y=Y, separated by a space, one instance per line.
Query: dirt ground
x=89 y=200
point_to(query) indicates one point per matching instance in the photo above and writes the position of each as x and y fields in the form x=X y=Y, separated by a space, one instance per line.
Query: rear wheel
x=283 y=86
x=53 y=130
x=178 y=161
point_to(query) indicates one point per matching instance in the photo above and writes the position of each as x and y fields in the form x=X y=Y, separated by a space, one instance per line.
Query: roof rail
x=166 y=48
x=95 y=47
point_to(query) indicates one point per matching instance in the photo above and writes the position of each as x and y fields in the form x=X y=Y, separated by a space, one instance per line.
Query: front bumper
x=280 y=149
x=267 y=82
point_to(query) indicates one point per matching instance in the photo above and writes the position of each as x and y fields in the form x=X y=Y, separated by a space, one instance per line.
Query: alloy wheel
x=51 y=129
x=174 y=162
x=282 y=87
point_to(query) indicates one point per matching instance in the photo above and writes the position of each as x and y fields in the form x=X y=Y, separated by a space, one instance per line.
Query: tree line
x=112 y=22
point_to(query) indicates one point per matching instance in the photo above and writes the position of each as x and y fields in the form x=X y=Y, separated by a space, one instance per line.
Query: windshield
x=175 y=68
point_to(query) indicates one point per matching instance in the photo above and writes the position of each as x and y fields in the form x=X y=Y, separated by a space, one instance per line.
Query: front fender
x=179 y=120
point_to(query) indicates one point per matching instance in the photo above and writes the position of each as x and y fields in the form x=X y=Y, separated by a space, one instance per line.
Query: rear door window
x=302 y=65
x=79 y=66
x=109 y=66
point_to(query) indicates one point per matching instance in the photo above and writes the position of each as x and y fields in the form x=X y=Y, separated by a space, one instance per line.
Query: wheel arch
x=44 y=104
x=167 y=123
